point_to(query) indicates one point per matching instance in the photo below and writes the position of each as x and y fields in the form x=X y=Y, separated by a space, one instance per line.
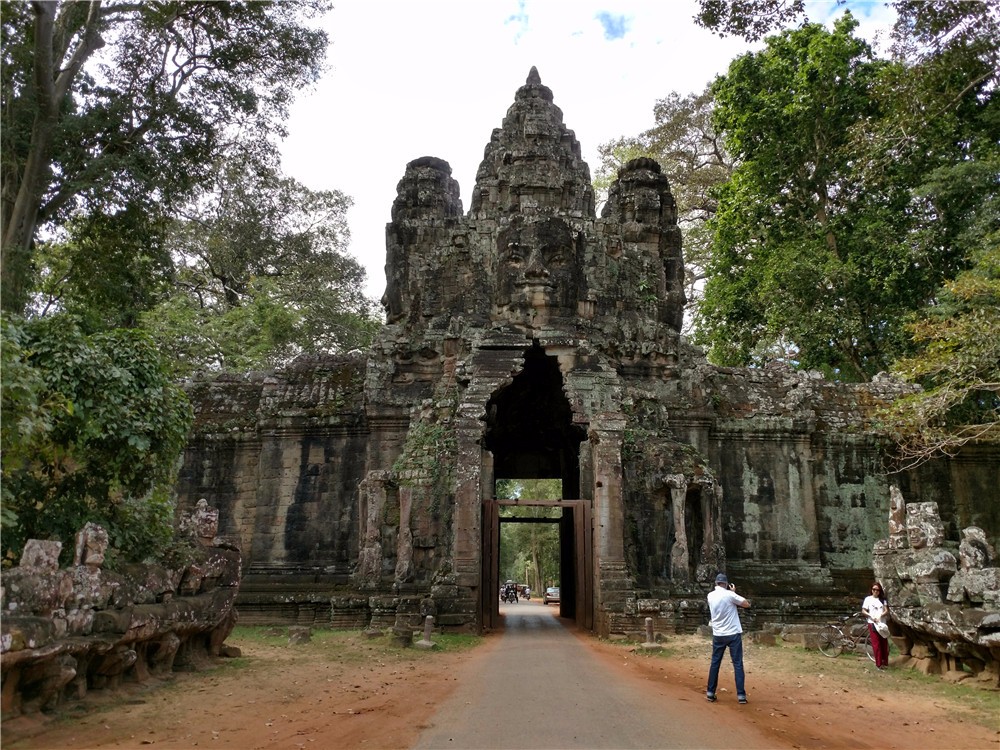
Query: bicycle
x=833 y=641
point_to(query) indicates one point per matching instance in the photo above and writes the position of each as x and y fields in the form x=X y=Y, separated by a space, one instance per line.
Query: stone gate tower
x=517 y=334
x=530 y=338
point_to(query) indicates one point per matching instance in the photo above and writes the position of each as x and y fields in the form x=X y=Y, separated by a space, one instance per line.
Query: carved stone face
x=643 y=205
x=91 y=545
x=538 y=267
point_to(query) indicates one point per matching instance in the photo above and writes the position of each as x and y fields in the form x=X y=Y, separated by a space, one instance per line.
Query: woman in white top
x=876 y=609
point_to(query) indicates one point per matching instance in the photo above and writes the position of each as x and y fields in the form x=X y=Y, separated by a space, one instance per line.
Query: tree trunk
x=19 y=230
x=52 y=83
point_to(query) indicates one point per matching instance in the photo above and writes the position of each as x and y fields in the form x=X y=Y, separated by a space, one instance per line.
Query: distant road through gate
x=540 y=688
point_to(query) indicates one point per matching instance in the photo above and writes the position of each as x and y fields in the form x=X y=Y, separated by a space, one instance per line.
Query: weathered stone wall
x=532 y=338
x=68 y=631
x=281 y=457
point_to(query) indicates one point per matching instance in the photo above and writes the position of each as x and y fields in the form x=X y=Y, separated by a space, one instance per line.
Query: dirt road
x=344 y=692
x=540 y=687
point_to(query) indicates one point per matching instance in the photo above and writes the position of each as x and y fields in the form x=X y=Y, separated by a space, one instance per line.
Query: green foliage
x=750 y=19
x=823 y=245
x=427 y=456
x=263 y=275
x=100 y=429
x=958 y=366
x=151 y=168
x=107 y=269
x=530 y=550
x=861 y=188
x=143 y=528
x=113 y=105
x=30 y=412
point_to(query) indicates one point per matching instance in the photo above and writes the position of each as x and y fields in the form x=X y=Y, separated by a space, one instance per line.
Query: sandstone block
x=955 y=676
x=923 y=525
x=927 y=666
x=973 y=585
x=931 y=564
x=297 y=635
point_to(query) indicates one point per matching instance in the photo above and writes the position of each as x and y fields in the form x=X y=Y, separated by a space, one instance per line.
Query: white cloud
x=434 y=78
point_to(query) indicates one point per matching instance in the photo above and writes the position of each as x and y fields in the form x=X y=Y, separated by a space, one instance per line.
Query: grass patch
x=347 y=646
x=851 y=671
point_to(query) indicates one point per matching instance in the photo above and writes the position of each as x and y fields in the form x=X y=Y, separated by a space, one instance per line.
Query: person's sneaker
x=742 y=699
x=710 y=698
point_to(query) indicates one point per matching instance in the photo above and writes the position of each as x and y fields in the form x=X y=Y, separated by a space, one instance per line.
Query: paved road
x=540 y=688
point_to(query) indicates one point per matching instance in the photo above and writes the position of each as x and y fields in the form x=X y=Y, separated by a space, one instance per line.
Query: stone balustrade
x=66 y=631
x=944 y=602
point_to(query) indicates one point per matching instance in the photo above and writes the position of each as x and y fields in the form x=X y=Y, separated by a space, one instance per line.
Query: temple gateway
x=530 y=338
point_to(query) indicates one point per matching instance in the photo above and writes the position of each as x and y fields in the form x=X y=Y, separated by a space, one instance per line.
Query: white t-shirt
x=874 y=606
x=724 y=606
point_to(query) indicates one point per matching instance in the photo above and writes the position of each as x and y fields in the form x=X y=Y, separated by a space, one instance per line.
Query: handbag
x=882 y=628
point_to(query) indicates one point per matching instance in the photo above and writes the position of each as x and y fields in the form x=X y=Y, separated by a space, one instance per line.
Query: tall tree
x=801 y=262
x=939 y=116
x=686 y=143
x=119 y=104
x=263 y=274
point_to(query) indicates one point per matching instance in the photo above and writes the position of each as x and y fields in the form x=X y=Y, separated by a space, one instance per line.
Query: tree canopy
x=114 y=106
x=92 y=430
x=808 y=261
x=750 y=19
x=262 y=274
x=148 y=233
x=915 y=180
x=148 y=181
x=958 y=360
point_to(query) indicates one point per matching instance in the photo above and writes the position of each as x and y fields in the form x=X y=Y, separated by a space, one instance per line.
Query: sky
x=409 y=78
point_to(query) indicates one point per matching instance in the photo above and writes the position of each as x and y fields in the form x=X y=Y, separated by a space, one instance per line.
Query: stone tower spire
x=532 y=163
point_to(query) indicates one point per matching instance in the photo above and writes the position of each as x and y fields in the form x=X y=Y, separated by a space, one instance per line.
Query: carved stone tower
x=530 y=338
x=514 y=335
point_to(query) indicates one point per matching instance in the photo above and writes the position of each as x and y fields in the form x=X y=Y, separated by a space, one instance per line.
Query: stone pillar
x=606 y=443
x=612 y=582
x=650 y=643
x=404 y=539
x=800 y=480
x=372 y=496
x=467 y=519
x=897 y=518
x=426 y=641
x=679 y=572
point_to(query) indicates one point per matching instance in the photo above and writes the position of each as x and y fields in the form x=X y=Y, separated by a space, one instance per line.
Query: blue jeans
x=719 y=645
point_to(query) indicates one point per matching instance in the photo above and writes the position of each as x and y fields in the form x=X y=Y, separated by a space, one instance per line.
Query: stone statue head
x=41 y=555
x=205 y=522
x=91 y=545
x=538 y=267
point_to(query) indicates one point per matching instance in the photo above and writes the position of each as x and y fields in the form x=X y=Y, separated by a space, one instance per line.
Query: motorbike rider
x=509 y=592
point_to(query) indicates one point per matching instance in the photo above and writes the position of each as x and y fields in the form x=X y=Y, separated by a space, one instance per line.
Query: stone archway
x=529 y=426
x=576 y=560
x=530 y=434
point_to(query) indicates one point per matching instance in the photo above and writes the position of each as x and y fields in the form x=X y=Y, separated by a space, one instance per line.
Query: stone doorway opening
x=575 y=567
x=530 y=434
